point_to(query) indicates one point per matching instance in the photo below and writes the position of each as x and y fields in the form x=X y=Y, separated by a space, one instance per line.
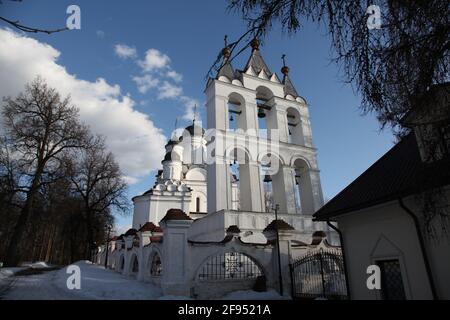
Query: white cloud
x=138 y=145
x=159 y=74
x=174 y=75
x=192 y=106
x=169 y=91
x=154 y=59
x=125 y=52
x=145 y=83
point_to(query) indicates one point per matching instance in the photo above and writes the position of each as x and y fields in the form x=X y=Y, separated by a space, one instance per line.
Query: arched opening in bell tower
x=266 y=116
x=236 y=112
x=303 y=187
x=240 y=177
x=267 y=182
x=294 y=123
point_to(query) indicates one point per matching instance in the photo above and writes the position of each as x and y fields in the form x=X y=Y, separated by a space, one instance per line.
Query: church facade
x=256 y=152
x=233 y=204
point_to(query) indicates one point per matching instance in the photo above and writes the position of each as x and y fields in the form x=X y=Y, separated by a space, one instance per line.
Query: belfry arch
x=304 y=193
x=266 y=115
x=294 y=127
x=237 y=115
x=243 y=169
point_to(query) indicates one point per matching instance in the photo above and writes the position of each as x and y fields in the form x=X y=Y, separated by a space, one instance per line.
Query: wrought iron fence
x=229 y=265
x=319 y=274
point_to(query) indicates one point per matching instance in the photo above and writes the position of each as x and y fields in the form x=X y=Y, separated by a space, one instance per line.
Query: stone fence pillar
x=175 y=256
x=285 y=235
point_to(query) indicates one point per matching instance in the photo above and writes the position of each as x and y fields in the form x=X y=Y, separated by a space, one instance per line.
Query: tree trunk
x=90 y=237
x=14 y=254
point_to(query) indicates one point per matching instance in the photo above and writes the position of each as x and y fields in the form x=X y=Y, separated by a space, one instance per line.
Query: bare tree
x=16 y=24
x=392 y=67
x=40 y=126
x=97 y=179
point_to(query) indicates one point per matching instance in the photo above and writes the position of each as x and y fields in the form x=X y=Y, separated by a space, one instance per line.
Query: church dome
x=171 y=156
x=195 y=130
x=172 y=142
x=167 y=157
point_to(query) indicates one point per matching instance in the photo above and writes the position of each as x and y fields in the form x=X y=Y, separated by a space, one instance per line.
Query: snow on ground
x=37 y=265
x=97 y=283
x=7 y=272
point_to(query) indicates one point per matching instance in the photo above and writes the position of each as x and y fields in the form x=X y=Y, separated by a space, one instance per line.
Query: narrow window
x=391 y=280
x=197 y=204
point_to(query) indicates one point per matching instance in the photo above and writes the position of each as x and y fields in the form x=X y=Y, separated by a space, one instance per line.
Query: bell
x=261 y=113
x=267 y=178
x=231 y=118
x=290 y=133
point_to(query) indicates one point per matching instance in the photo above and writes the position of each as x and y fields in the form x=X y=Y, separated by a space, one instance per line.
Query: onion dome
x=195 y=130
x=172 y=142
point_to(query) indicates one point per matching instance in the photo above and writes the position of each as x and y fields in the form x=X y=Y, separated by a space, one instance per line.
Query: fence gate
x=319 y=274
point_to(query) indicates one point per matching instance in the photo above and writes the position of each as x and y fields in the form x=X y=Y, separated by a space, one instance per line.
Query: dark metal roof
x=399 y=173
x=172 y=142
x=226 y=70
x=279 y=225
x=194 y=129
x=289 y=87
x=150 y=226
x=256 y=61
x=175 y=214
x=233 y=229
x=131 y=232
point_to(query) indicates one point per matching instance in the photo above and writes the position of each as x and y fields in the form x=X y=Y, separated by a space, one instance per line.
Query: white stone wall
x=388 y=232
x=182 y=259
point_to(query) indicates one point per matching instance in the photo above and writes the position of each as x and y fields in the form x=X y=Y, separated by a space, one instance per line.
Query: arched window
x=155 y=266
x=229 y=265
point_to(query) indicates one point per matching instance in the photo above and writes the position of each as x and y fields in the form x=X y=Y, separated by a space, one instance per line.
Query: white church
x=207 y=226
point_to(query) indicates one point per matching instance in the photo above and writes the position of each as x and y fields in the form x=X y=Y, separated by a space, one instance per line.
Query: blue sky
x=190 y=34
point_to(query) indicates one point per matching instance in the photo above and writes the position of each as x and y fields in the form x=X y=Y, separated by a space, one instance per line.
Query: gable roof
x=399 y=173
x=289 y=87
x=256 y=62
x=226 y=70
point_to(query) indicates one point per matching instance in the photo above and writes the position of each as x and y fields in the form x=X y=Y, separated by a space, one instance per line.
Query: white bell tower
x=254 y=108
